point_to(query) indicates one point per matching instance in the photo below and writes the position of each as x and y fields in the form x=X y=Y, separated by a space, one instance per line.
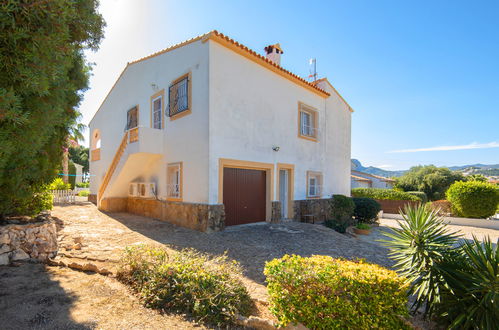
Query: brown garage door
x=244 y=196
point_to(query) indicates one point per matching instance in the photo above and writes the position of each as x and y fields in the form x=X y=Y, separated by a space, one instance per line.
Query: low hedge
x=186 y=281
x=84 y=193
x=378 y=193
x=325 y=293
x=366 y=209
x=473 y=199
x=420 y=194
x=341 y=208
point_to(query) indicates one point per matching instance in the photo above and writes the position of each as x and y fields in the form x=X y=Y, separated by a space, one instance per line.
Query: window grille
x=179 y=97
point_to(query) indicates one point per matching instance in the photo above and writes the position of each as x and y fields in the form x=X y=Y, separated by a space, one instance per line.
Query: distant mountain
x=487 y=170
x=356 y=165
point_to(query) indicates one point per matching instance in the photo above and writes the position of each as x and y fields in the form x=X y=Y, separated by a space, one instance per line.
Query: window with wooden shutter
x=132 y=118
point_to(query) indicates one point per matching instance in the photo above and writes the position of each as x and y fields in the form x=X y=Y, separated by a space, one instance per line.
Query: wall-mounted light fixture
x=154 y=87
x=276 y=148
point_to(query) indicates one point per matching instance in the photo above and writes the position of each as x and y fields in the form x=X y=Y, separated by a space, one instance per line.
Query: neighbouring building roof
x=359 y=178
x=382 y=178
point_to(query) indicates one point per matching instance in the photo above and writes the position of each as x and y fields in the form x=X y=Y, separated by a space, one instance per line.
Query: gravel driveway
x=89 y=234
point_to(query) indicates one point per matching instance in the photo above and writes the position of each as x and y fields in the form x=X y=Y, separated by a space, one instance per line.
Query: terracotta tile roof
x=359 y=178
x=382 y=178
x=258 y=58
x=226 y=41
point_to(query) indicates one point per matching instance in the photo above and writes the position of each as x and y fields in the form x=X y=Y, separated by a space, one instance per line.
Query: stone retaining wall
x=318 y=207
x=389 y=206
x=35 y=240
x=276 y=211
x=197 y=216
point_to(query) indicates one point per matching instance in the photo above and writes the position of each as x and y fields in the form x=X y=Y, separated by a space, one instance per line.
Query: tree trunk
x=65 y=166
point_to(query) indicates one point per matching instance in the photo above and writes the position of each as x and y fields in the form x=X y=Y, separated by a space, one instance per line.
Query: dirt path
x=34 y=296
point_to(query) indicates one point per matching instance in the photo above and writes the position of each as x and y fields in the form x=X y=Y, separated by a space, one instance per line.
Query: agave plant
x=419 y=246
x=472 y=276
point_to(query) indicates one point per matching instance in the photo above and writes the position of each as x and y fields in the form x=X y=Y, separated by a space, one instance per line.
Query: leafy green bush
x=362 y=225
x=473 y=199
x=83 y=184
x=325 y=293
x=186 y=281
x=419 y=194
x=377 y=193
x=84 y=193
x=459 y=285
x=39 y=201
x=341 y=208
x=366 y=209
x=58 y=184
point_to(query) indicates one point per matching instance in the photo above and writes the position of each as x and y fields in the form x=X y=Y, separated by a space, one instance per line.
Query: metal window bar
x=179 y=97
x=308 y=130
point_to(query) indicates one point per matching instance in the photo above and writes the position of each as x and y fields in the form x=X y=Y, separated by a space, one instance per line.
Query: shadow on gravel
x=253 y=245
x=30 y=299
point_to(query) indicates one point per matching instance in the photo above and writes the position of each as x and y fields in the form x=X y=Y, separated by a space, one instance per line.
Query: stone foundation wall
x=92 y=198
x=202 y=217
x=276 y=211
x=23 y=241
x=318 y=207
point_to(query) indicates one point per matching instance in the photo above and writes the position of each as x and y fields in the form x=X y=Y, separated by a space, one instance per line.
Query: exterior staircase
x=112 y=167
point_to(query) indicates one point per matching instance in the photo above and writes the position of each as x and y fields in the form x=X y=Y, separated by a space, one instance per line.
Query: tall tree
x=432 y=180
x=42 y=76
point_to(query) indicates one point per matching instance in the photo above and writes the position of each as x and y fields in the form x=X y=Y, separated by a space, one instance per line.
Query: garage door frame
x=243 y=164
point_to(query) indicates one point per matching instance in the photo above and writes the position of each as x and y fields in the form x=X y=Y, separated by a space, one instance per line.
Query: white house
x=208 y=133
x=366 y=180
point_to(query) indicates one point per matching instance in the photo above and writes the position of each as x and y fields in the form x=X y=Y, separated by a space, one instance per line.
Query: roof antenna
x=313 y=69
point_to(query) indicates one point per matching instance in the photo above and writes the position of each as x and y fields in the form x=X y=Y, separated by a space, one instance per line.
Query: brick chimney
x=274 y=53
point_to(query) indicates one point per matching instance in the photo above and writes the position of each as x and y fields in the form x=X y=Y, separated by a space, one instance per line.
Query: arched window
x=95 y=145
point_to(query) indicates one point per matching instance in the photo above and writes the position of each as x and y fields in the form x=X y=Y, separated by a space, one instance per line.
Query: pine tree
x=42 y=76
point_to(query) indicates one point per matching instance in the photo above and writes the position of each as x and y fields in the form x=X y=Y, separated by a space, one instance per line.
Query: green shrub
x=459 y=285
x=84 y=193
x=38 y=202
x=83 y=185
x=186 y=281
x=325 y=293
x=362 y=225
x=366 y=209
x=443 y=207
x=473 y=199
x=72 y=174
x=377 y=193
x=422 y=196
x=58 y=184
x=342 y=208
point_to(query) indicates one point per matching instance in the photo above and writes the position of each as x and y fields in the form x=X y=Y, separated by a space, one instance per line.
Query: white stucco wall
x=359 y=184
x=376 y=182
x=184 y=139
x=240 y=110
x=253 y=109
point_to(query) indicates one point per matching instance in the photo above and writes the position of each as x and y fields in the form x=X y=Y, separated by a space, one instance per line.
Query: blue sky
x=422 y=76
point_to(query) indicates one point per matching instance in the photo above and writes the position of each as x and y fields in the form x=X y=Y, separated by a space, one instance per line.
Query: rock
x=4 y=239
x=4 y=248
x=4 y=259
x=19 y=255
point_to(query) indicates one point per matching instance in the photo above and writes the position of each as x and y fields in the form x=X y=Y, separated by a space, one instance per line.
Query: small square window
x=314 y=184
x=308 y=122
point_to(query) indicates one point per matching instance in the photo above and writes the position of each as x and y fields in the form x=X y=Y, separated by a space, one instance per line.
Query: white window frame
x=154 y=111
x=316 y=186
x=174 y=182
x=308 y=128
